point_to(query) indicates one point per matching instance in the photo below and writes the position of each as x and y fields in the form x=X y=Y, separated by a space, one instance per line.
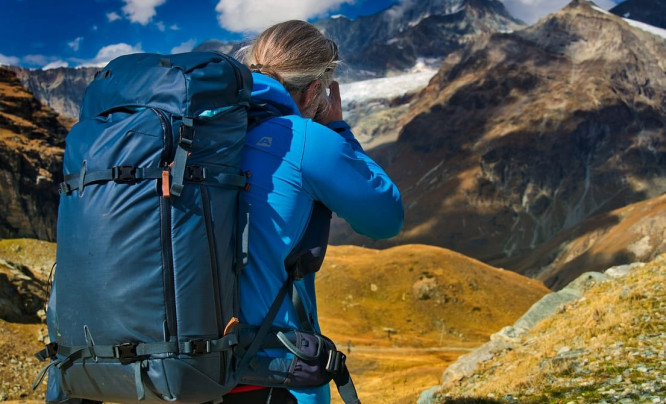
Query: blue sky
x=52 y=33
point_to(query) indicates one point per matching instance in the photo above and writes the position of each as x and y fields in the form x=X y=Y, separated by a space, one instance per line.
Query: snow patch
x=647 y=28
x=601 y=10
x=386 y=87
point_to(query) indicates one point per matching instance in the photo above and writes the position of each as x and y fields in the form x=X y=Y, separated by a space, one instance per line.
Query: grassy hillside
x=410 y=311
x=608 y=346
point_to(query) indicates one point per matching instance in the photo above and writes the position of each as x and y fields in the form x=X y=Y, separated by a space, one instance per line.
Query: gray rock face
x=62 y=89
x=394 y=39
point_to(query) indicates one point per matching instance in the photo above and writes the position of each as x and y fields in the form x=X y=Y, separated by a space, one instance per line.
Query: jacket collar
x=268 y=90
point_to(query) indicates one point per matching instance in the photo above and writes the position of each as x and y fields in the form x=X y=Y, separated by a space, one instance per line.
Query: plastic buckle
x=336 y=361
x=64 y=188
x=200 y=346
x=51 y=350
x=185 y=136
x=195 y=173
x=125 y=351
x=123 y=174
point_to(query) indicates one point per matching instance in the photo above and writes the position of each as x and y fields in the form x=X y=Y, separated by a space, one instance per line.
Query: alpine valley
x=526 y=155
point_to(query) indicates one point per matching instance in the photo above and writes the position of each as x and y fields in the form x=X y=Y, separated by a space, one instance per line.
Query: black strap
x=185 y=140
x=131 y=174
x=346 y=386
x=265 y=326
x=132 y=350
x=303 y=318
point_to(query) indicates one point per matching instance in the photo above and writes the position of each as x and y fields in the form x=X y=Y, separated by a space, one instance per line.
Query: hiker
x=303 y=158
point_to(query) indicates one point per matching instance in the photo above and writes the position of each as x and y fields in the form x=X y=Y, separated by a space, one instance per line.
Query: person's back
x=305 y=155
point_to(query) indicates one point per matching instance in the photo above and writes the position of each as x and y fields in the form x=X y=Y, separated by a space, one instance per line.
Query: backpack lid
x=185 y=84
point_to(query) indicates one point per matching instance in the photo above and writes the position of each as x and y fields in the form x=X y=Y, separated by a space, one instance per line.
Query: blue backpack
x=151 y=240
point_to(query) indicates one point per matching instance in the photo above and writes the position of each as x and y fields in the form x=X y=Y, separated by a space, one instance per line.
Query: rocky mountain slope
x=412 y=30
x=31 y=149
x=603 y=339
x=636 y=232
x=61 y=89
x=651 y=12
x=525 y=135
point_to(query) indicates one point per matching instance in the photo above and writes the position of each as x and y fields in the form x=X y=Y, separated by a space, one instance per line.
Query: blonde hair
x=293 y=52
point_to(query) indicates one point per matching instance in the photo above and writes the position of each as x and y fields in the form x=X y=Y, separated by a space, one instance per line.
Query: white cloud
x=113 y=16
x=141 y=11
x=111 y=52
x=184 y=47
x=75 y=44
x=55 y=65
x=9 y=60
x=174 y=27
x=160 y=26
x=531 y=10
x=256 y=15
x=39 y=60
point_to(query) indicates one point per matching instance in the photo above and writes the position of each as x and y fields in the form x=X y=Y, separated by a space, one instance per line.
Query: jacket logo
x=265 y=141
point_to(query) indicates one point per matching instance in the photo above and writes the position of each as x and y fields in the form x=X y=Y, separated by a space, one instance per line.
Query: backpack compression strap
x=131 y=174
x=129 y=353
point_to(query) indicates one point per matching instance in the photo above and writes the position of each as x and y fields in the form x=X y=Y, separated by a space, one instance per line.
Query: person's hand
x=330 y=108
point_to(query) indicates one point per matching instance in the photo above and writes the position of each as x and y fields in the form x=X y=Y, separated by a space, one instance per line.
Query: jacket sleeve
x=338 y=173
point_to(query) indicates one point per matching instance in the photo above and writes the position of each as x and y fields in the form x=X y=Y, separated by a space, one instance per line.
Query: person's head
x=297 y=55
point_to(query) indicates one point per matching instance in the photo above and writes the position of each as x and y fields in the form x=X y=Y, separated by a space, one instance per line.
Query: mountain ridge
x=523 y=135
x=403 y=35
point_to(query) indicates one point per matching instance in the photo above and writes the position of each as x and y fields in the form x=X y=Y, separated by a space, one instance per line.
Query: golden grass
x=364 y=293
x=612 y=318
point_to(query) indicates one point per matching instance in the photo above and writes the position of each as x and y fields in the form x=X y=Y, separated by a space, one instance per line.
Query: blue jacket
x=293 y=162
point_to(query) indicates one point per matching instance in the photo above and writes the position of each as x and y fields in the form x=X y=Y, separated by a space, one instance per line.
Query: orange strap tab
x=233 y=322
x=165 y=184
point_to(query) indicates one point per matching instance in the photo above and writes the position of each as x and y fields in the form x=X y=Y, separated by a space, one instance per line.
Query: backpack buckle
x=336 y=361
x=125 y=351
x=195 y=173
x=196 y=347
x=123 y=174
x=64 y=188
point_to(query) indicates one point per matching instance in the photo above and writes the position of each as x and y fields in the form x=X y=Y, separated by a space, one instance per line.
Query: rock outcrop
x=61 y=89
x=599 y=337
x=31 y=150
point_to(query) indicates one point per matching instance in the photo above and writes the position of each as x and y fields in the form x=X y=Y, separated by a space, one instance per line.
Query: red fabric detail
x=244 y=388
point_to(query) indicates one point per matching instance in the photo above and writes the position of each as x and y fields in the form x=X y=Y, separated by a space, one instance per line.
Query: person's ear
x=310 y=95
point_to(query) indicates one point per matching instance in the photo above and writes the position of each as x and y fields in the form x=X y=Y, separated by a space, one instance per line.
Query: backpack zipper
x=165 y=232
x=205 y=197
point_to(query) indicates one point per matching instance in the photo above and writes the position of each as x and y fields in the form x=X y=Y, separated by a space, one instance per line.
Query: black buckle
x=123 y=174
x=125 y=351
x=198 y=346
x=51 y=350
x=195 y=173
x=336 y=361
x=185 y=136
